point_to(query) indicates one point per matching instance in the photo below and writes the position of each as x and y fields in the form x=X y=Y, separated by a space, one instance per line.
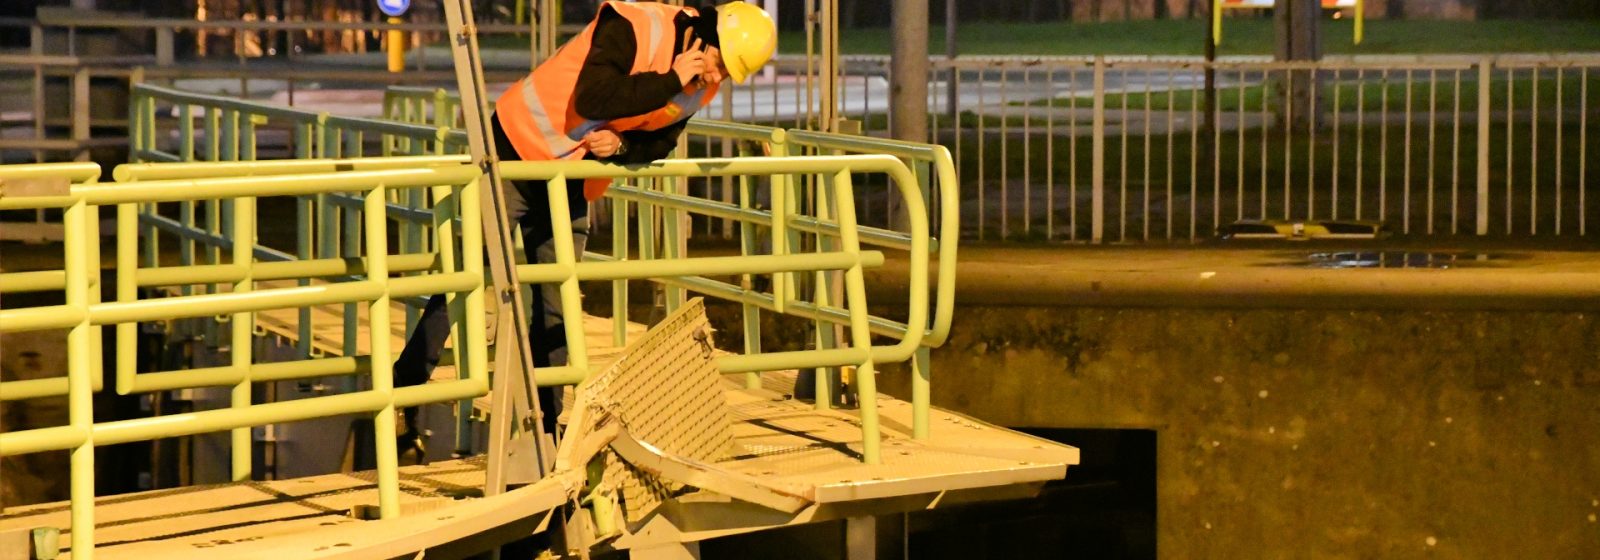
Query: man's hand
x=690 y=63
x=603 y=143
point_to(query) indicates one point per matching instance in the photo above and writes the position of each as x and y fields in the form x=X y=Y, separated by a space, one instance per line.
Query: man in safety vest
x=621 y=91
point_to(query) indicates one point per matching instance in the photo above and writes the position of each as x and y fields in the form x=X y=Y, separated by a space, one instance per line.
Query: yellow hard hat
x=748 y=38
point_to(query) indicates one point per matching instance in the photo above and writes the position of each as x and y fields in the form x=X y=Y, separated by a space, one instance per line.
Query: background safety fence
x=1121 y=149
x=1107 y=150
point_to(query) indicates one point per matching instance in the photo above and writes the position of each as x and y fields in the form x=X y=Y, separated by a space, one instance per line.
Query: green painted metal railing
x=850 y=258
x=376 y=288
x=82 y=245
x=937 y=189
x=433 y=106
x=429 y=108
x=453 y=187
x=663 y=199
x=340 y=233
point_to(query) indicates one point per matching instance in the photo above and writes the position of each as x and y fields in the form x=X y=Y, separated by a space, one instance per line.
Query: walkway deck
x=781 y=441
x=778 y=442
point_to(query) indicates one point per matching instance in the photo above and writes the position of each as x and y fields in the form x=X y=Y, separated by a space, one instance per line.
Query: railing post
x=185 y=131
x=1484 y=76
x=80 y=401
x=230 y=135
x=619 y=287
x=127 y=345
x=412 y=242
x=567 y=257
x=213 y=252
x=147 y=111
x=1098 y=164
x=135 y=116
x=442 y=117
x=747 y=246
x=676 y=233
x=823 y=287
x=860 y=335
x=446 y=208
x=305 y=214
x=376 y=224
x=923 y=170
x=351 y=241
x=784 y=241
x=243 y=331
x=921 y=391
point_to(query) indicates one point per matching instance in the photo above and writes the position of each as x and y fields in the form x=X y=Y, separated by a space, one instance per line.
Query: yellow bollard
x=395 y=44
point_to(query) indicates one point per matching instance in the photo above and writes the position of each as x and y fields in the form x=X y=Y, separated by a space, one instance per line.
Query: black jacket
x=606 y=90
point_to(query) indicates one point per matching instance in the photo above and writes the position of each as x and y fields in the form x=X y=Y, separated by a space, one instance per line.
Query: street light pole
x=908 y=70
x=1296 y=26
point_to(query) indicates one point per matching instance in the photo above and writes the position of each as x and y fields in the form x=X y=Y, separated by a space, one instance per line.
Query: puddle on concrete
x=1440 y=260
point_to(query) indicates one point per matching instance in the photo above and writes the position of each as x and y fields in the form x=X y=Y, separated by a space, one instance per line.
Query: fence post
x=1098 y=164
x=164 y=47
x=136 y=114
x=80 y=113
x=1483 y=145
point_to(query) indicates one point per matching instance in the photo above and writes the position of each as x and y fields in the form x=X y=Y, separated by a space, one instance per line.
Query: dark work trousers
x=529 y=205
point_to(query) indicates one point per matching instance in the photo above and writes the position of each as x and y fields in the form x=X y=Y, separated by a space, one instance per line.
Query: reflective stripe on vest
x=657 y=23
x=560 y=145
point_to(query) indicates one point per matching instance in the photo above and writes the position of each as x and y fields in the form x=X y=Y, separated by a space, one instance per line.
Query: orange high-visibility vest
x=538 y=112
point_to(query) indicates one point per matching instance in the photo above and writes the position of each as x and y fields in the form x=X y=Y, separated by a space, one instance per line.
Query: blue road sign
x=394 y=8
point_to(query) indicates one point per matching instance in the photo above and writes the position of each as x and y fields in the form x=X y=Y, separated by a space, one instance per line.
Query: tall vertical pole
x=513 y=404
x=908 y=71
x=908 y=83
x=1297 y=27
x=828 y=82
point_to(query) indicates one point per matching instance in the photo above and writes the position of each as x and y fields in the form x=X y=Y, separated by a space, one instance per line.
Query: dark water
x=1406 y=259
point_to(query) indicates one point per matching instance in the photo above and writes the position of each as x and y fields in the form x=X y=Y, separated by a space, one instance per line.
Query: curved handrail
x=949 y=208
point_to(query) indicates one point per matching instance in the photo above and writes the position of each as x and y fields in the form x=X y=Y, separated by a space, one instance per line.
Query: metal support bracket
x=514 y=406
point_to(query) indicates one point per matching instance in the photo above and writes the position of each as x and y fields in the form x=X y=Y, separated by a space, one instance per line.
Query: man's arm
x=606 y=90
x=643 y=146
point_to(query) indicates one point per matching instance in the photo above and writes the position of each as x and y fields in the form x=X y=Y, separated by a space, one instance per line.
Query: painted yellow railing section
x=345 y=208
x=428 y=109
x=936 y=181
x=453 y=187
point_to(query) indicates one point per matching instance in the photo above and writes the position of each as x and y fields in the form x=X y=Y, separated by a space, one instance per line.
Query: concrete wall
x=1315 y=433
